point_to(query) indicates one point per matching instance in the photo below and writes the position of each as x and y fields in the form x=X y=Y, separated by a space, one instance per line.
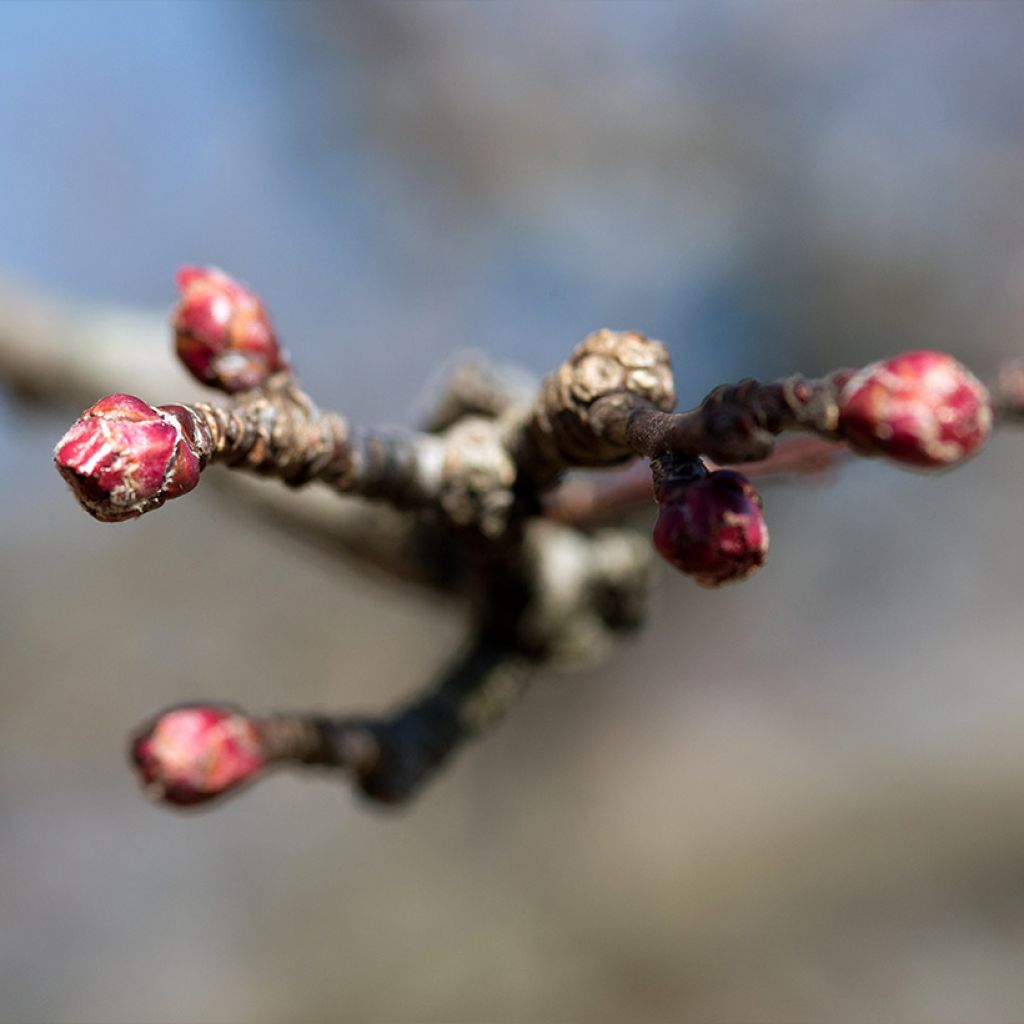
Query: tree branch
x=390 y=757
x=591 y=499
x=468 y=507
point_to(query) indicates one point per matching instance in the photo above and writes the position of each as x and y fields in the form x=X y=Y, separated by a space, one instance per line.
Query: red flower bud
x=222 y=332
x=123 y=457
x=712 y=529
x=189 y=755
x=921 y=408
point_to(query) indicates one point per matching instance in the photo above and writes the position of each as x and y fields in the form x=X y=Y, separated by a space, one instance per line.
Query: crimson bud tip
x=191 y=754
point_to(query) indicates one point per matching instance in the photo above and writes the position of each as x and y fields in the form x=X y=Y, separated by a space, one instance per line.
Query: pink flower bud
x=189 y=755
x=712 y=529
x=223 y=334
x=921 y=408
x=123 y=457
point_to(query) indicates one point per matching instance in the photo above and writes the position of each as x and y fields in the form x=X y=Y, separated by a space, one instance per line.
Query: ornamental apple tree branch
x=485 y=480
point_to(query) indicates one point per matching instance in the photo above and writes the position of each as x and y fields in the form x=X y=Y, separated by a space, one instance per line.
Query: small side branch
x=613 y=399
x=735 y=423
x=590 y=499
x=391 y=757
x=278 y=431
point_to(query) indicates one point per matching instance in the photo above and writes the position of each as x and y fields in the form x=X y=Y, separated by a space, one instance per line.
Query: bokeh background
x=802 y=798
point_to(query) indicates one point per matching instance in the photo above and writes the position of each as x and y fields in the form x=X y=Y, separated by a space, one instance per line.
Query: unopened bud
x=712 y=529
x=123 y=457
x=921 y=408
x=188 y=755
x=222 y=332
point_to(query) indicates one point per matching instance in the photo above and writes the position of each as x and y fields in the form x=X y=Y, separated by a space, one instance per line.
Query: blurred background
x=802 y=798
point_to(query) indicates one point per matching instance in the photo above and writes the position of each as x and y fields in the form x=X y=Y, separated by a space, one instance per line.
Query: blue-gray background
x=801 y=798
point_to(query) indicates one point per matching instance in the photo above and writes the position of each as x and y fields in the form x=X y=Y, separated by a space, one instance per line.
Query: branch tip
x=191 y=754
x=921 y=409
x=123 y=457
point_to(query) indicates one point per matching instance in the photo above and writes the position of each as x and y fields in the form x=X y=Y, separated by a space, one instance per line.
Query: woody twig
x=484 y=482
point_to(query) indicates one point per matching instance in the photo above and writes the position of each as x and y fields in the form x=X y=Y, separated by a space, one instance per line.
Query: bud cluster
x=610 y=401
